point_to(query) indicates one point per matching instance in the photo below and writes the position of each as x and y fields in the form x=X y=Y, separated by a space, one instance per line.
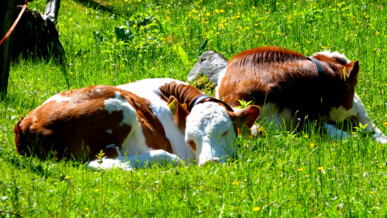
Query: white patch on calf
x=220 y=78
x=149 y=89
x=212 y=131
x=339 y=114
x=135 y=141
x=333 y=55
x=359 y=113
x=57 y=97
x=118 y=103
x=284 y=119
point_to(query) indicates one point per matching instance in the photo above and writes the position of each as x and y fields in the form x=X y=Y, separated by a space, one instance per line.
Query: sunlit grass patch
x=282 y=174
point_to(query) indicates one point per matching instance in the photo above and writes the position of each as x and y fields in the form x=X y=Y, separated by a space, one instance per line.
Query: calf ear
x=249 y=115
x=179 y=112
x=245 y=116
x=351 y=71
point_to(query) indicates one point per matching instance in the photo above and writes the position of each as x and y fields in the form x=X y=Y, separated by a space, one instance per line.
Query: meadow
x=284 y=174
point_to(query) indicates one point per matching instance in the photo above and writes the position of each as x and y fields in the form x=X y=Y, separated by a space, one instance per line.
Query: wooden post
x=7 y=17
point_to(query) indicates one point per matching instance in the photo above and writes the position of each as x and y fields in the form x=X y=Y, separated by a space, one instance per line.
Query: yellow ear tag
x=173 y=107
x=345 y=74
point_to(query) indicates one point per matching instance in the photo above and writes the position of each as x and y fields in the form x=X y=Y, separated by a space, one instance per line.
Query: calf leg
x=335 y=133
x=364 y=119
x=158 y=157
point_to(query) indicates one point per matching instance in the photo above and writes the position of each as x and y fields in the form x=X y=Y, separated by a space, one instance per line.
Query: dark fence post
x=7 y=17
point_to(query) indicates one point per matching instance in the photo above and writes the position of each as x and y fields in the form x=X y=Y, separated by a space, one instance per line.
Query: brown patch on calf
x=289 y=80
x=75 y=128
x=81 y=127
x=184 y=93
x=153 y=130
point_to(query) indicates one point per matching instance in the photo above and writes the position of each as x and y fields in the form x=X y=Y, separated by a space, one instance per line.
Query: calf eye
x=192 y=144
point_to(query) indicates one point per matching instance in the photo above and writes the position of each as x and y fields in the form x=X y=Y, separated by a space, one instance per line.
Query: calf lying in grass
x=132 y=125
x=291 y=88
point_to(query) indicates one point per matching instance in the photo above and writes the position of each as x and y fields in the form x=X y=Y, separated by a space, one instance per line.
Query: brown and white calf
x=290 y=87
x=148 y=121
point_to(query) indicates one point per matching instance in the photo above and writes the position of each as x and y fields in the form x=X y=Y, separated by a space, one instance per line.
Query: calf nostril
x=212 y=160
x=215 y=160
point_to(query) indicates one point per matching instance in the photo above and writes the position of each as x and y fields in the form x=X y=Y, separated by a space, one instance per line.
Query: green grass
x=283 y=174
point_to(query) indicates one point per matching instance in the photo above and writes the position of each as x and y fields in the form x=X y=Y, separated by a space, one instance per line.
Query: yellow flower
x=385 y=124
x=208 y=14
x=300 y=169
x=306 y=136
x=256 y=209
x=87 y=209
x=96 y=190
x=311 y=145
x=70 y=19
x=235 y=183
x=321 y=169
x=372 y=193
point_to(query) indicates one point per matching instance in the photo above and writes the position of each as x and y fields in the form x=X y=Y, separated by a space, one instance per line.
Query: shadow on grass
x=95 y=5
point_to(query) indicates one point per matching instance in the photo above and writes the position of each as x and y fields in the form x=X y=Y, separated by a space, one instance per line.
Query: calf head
x=339 y=86
x=211 y=130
